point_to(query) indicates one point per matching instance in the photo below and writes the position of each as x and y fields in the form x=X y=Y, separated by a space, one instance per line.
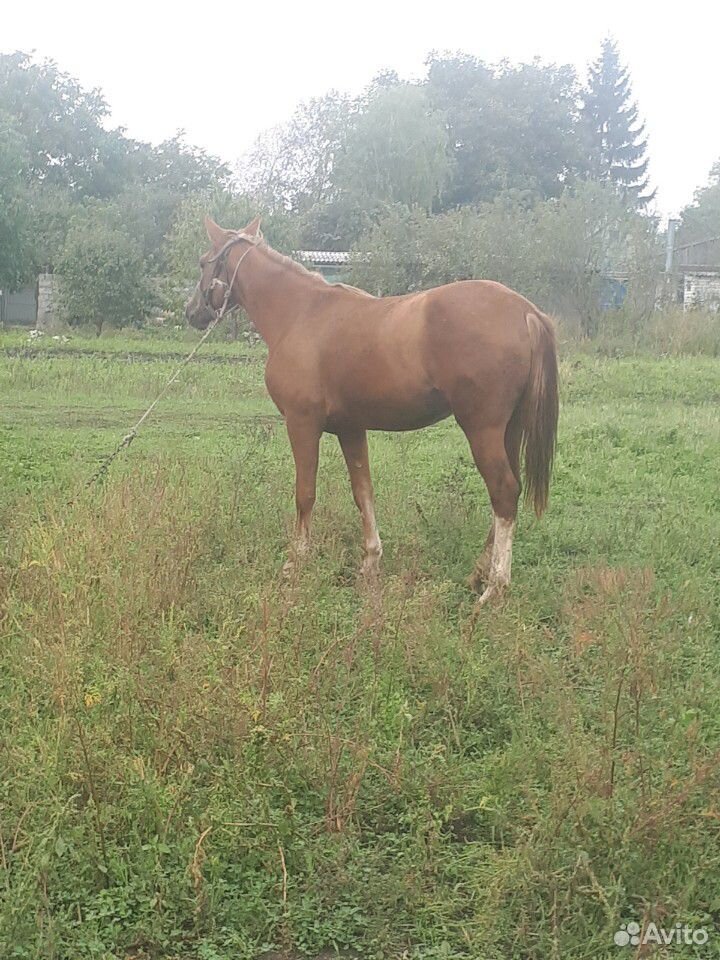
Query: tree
x=60 y=123
x=335 y=224
x=396 y=151
x=512 y=129
x=50 y=209
x=701 y=218
x=340 y=162
x=102 y=275
x=15 y=267
x=163 y=176
x=67 y=144
x=57 y=161
x=393 y=151
x=616 y=146
x=290 y=167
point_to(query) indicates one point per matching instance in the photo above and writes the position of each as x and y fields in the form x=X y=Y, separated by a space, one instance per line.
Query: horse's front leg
x=305 y=442
x=355 y=450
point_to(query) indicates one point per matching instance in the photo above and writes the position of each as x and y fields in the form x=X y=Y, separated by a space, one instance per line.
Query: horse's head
x=213 y=292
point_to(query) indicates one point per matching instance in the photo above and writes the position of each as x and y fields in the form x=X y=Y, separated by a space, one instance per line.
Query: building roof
x=698 y=254
x=697 y=243
x=323 y=257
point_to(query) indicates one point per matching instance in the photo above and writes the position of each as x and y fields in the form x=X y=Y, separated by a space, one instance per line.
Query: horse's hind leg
x=491 y=458
x=513 y=439
x=481 y=574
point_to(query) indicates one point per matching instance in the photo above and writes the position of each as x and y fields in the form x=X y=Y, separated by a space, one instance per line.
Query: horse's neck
x=273 y=293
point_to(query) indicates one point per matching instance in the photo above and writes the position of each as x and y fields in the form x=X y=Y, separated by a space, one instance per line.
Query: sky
x=225 y=71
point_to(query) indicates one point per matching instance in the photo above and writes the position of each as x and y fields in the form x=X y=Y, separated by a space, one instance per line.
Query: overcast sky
x=224 y=71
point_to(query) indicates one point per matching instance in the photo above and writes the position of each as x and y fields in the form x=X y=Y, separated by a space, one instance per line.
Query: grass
x=130 y=344
x=203 y=761
x=670 y=332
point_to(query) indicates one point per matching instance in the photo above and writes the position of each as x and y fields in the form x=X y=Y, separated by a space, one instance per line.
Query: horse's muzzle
x=198 y=311
x=200 y=319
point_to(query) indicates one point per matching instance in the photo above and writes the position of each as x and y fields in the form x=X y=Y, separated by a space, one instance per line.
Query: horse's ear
x=216 y=234
x=253 y=228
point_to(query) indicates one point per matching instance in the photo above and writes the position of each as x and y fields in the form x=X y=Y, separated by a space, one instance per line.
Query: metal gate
x=19 y=308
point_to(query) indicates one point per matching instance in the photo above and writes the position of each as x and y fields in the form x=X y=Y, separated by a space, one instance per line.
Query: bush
x=102 y=276
x=559 y=253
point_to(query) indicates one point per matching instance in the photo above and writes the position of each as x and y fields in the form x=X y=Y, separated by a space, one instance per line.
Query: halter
x=220 y=261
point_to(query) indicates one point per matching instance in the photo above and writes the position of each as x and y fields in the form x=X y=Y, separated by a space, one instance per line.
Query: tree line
x=84 y=201
x=524 y=173
x=467 y=134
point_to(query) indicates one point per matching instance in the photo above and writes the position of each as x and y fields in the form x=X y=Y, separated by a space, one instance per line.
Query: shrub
x=102 y=276
x=558 y=253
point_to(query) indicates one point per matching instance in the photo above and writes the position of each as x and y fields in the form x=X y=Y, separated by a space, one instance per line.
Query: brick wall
x=702 y=290
x=46 y=314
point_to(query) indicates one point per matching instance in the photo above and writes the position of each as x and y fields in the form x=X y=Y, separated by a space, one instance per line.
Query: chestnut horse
x=342 y=361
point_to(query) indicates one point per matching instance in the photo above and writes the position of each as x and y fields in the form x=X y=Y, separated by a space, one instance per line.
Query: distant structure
x=32 y=306
x=697 y=268
x=19 y=308
x=46 y=307
x=332 y=264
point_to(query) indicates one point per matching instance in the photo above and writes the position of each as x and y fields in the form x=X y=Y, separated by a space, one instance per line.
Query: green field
x=202 y=761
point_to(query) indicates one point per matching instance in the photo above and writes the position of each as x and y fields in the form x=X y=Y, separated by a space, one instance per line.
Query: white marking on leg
x=501 y=563
x=373 y=543
x=485 y=561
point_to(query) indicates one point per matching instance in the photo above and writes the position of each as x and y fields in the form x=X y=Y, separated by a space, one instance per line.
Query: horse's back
x=463 y=329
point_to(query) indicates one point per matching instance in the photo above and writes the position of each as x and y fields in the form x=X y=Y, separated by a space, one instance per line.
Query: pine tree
x=617 y=146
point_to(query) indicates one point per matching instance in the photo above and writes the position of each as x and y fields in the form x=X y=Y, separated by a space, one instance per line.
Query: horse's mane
x=298 y=267
x=293 y=264
x=358 y=290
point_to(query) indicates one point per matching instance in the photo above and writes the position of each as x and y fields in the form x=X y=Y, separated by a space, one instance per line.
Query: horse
x=343 y=361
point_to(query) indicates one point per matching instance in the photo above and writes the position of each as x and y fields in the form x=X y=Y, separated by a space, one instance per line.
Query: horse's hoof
x=494 y=592
x=370 y=570
x=478 y=578
x=297 y=554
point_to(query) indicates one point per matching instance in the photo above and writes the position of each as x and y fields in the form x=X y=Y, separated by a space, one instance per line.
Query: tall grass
x=664 y=333
x=204 y=761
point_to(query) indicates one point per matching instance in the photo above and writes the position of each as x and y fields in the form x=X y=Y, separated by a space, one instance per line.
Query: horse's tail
x=540 y=410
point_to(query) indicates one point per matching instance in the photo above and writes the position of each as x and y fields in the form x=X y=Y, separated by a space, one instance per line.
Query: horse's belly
x=390 y=413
